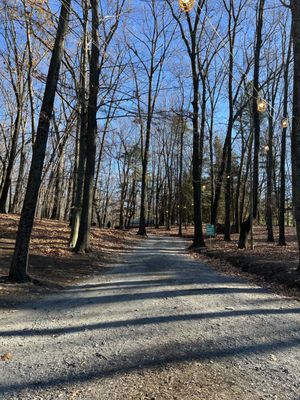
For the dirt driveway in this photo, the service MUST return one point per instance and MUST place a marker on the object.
(158, 326)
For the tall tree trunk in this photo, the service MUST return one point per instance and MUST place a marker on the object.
(11, 159)
(157, 198)
(131, 203)
(243, 196)
(56, 210)
(145, 157)
(269, 170)
(196, 162)
(18, 194)
(295, 137)
(201, 148)
(30, 69)
(246, 225)
(169, 199)
(142, 224)
(219, 181)
(106, 196)
(79, 177)
(228, 182)
(18, 268)
(69, 198)
(211, 163)
(180, 175)
(83, 241)
(124, 189)
(237, 202)
(151, 200)
(282, 240)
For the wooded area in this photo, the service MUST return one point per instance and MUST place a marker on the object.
(122, 114)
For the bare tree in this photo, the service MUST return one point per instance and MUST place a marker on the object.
(234, 10)
(18, 269)
(15, 60)
(282, 240)
(189, 38)
(295, 8)
(246, 225)
(97, 61)
(150, 50)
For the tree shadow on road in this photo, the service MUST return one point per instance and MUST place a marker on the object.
(157, 357)
(164, 319)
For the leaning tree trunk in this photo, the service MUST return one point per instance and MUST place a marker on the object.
(18, 268)
(295, 137)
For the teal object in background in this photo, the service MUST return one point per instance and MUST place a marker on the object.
(210, 230)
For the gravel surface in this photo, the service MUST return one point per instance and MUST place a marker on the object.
(159, 325)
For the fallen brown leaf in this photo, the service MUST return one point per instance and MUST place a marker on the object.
(6, 356)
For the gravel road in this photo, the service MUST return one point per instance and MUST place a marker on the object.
(159, 325)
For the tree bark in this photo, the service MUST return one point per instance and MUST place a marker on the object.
(18, 268)
(198, 233)
(80, 170)
(142, 224)
(232, 19)
(237, 202)
(83, 241)
(295, 136)
(281, 222)
(11, 159)
(269, 170)
(180, 175)
(246, 225)
(18, 190)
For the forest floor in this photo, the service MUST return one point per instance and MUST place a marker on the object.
(268, 264)
(158, 325)
(51, 261)
(56, 266)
